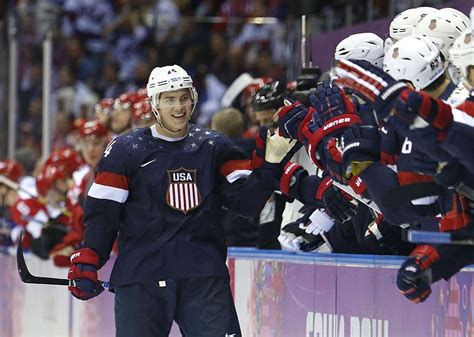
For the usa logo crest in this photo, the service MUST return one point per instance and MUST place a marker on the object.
(183, 194)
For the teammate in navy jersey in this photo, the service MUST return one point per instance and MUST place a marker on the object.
(159, 192)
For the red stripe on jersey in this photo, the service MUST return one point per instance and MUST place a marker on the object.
(388, 159)
(406, 178)
(112, 180)
(234, 165)
(467, 107)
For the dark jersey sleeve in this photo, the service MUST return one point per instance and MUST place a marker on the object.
(379, 180)
(459, 143)
(243, 189)
(105, 198)
(452, 259)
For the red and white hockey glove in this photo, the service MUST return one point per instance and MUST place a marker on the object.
(414, 277)
(83, 271)
(371, 83)
(318, 133)
(421, 115)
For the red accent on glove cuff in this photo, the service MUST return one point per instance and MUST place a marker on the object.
(323, 186)
(357, 184)
(76, 273)
(457, 218)
(304, 124)
(86, 256)
(288, 172)
(443, 117)
(431, 254)
(332, 125)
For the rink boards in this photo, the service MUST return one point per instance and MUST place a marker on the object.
(276, 294)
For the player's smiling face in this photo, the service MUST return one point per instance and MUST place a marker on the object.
(175, 109)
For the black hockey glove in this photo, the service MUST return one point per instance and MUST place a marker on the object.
(339, 205)
(361, 148)
(414, 277)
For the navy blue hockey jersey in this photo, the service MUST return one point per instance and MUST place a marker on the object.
(163, 199)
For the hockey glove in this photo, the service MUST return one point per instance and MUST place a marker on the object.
(416, 110)
(318, 223)
(371, 83)
(361, 148)
(278, 149)
(333, 165)
(339, 205)
(422, 162)
(83, 271)
(258, 155)
(294, 238)
(292, 173)
(293, 120)
(414, 277)
(331, 157)
(319, 133)
(331, 102)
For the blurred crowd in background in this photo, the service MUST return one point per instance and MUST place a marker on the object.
(103, 49)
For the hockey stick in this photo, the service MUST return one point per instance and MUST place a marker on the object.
(367, 202)
(27, 277)
(438, 238)
(235, 89)
(17, 187)
(405, 193)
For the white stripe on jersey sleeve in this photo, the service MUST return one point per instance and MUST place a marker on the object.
(462, 117)
(237, 174)
(99, 191)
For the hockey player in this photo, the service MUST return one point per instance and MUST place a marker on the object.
(404, 23)
(409, 110)
(361, 46)
(11, 170)
(121, 115)
(93, 140)
(103, 109)
(161, 190)
(442, 28)
(142, 115)
(461, 56)
(362, 233)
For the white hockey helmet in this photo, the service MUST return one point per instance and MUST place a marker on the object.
(387, 43)
(443, 27)
(414, 59)
(362, 46)
(405, 22)
(168, 78)
(461, 55)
